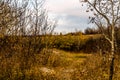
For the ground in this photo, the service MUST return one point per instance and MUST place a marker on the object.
(66, 65)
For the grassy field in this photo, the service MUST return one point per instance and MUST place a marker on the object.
(72, 57)
(58, 65)
(21, 59)
(64, 64)
(81, 66)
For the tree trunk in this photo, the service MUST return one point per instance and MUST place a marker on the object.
(112, 56)
(111, 69)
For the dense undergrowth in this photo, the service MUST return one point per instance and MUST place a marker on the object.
(80, 43)
(58, 65)
(34, 58)
(96, 67)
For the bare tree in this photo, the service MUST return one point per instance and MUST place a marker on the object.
(106, 14)
(39, 22)
(8, 18)
(23, 17)
(12, 16)
(39, 19)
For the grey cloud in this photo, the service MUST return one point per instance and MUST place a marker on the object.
(72, 22)
(77, 19)
(72, 16)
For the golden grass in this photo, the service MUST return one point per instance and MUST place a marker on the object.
(71, 58)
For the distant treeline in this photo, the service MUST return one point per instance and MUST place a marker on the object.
(80, 43)
(101, 30)
(91, 40)
(71, 42)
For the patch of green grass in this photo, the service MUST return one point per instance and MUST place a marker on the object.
(80, 56)
(72, 57)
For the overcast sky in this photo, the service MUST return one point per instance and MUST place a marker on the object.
(70, 14)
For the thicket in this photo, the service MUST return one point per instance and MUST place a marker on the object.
(22, 52)
(80, 43)
(88, 43)
(96, 67)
